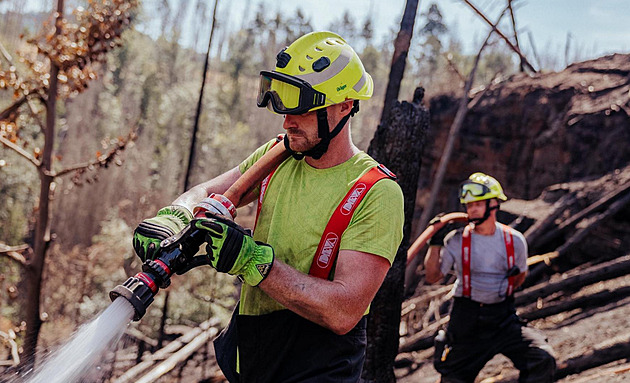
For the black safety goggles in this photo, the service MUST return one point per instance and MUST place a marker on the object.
(286, 94)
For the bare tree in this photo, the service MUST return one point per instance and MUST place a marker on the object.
(399, 59)
(60, 66)
(191, 156)
(399, 143)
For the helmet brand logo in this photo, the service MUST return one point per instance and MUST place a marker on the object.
(348, 205)
(327, 250)
(340, 88)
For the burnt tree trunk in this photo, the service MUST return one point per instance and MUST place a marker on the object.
(398, 144)
(35, 267)
(193, 139)
(399, 59)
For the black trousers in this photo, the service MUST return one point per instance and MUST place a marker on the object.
(477, 332)
(283, 347)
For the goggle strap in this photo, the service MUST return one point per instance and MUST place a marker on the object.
(322, 123)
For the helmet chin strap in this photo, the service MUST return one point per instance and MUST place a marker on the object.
(323, 132)
(486, 215)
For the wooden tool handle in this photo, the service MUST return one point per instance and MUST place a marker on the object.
(422, 240)
(255, 174)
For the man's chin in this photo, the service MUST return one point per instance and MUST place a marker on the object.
(299, 144)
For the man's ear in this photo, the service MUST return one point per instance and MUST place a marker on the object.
(346, 107)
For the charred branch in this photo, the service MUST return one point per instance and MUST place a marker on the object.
(577, 279)
(595, 357)
(594, 207)
(594, 300)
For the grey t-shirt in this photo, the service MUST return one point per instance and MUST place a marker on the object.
(488, 263)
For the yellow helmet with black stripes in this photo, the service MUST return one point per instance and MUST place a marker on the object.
(317, 70)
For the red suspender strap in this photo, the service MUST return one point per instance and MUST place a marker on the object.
(466, 252)
(265, 183)
(509, 247)
(329, 244)
(466, 242)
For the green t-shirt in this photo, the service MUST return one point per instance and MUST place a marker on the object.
(298, 204)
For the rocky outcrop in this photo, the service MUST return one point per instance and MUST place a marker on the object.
(531, 132)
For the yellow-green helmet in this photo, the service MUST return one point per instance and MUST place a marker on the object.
(479, 187)
(321, 61)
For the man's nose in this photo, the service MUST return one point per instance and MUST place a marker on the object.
(289, 122)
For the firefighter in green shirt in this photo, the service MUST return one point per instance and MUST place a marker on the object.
(292, 325)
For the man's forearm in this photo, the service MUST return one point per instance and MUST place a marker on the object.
(324, 302)
(432, 263)
(520, 278)
(337, 305)
(217, 185)
(191, 197)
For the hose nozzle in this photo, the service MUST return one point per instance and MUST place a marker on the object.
(176, 255)
(137, 291)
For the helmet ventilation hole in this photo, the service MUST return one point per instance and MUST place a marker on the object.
(318, 49)
(301, 69)
(308, 57)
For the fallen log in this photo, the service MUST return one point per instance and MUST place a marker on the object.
(594, 300)
(423, 339)
(606, 375)
(138, 336)
(607, 270)
(573, 220)
(594, 358)
(541, 227)
(179, 357)
(411, 304)
(165, 352)
(579, 235)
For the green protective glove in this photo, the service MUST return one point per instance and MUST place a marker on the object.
(232, 250)
(169, 221)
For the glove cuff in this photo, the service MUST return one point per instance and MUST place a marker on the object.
(259, 266)
(178, 211)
